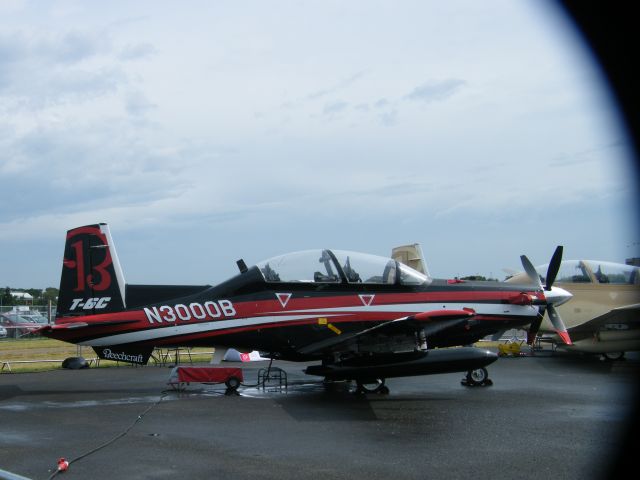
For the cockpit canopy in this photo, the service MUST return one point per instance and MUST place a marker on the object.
(592, 271)
(336, 266)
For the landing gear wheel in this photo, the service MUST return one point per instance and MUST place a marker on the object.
(477, 377)
(376, 386)
(613, 356)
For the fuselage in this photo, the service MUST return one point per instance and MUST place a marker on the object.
(602, 315)
(249, 312)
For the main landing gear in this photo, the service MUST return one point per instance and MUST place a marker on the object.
(376, 386)
(477, 378)
(613, 356)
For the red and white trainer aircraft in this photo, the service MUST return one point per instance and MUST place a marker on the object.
(362, 317)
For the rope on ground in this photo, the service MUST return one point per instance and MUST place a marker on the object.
(63, 464)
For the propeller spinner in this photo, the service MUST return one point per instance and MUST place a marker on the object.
(555, 296)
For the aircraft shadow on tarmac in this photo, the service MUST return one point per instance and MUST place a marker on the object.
(8, 392)
(313, 402)
(343, 407)
(589, 363)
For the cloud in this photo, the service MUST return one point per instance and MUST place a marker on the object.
(137, 104)
(588, 155)
(49, 68)
(52, 48)
(44, 69)
(331, 107)
(389, 118)
(137, 51)
(71, 47)
(334, 108)
(436, 90)
(104, 117)
(80, 167)
(337, 87)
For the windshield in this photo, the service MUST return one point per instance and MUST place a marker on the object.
(608, 272)
(305, 266)
(365, 268)
(571, 271)
(331, 266)
(592, 271)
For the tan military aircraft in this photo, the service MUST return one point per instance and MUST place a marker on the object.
(602, 317)
(412, 256)
(604, 314)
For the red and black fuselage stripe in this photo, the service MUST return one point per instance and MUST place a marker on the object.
(247, 312)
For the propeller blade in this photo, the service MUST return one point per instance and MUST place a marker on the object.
(531, 271)
(554, 266)
(535, 327)
(558, 324)
(533, 330)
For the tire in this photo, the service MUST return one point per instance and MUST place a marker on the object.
(477, 376)
(75, 363)
(232, 383)
(372, 387)
(613, 356)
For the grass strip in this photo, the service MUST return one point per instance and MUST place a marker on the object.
(40, 348)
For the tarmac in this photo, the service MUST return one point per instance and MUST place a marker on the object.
(545, 416)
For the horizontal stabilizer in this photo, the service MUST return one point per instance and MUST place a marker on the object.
(74, 325)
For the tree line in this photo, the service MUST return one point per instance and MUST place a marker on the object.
(40, 297)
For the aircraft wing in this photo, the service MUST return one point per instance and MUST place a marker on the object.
(626, 315)
(432, 322)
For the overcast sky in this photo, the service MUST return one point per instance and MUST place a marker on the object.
(226, 129)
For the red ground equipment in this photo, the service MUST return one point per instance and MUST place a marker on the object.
(232, 377)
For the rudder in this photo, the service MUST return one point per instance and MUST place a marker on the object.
(92, 279)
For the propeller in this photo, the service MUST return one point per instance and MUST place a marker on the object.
(531, 271)
(554, 266)
(555, 296)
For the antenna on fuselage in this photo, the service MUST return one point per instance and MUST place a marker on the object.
(242, 266)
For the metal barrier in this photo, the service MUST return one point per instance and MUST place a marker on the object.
(159, 357)
(44, 310)
(6, 364)
(273, 377)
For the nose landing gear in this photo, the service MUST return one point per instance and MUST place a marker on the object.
(477, 378)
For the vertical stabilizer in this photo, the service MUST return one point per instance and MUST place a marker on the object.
(412, 256)
(92, 279)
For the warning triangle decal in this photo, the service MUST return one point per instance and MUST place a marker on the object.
(283, 298)
(366, 300)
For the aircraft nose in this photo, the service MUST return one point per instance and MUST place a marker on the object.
(557, 296)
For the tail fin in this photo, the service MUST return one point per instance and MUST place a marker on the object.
(92, 280)
(412, 256)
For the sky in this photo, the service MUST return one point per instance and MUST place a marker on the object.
(208, 131)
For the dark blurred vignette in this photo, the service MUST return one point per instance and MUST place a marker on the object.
(610, 31)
